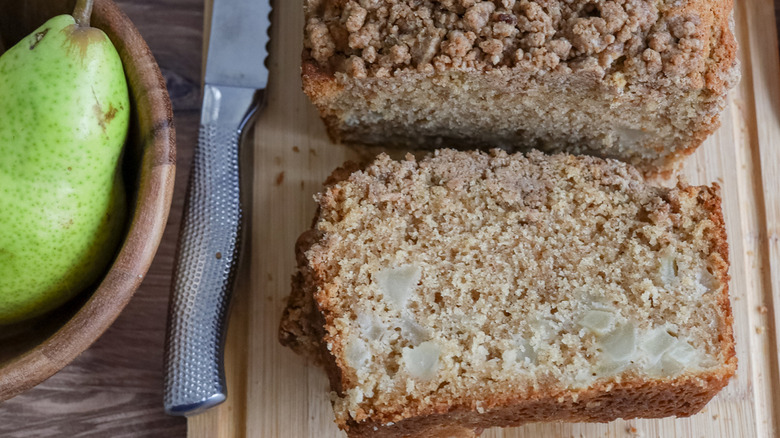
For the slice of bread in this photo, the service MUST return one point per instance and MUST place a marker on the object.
(469, 290)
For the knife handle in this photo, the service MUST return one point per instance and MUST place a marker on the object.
(207, 256)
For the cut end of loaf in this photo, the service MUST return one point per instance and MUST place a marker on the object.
(482, 290)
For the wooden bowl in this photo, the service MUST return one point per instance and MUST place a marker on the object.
(34, 351)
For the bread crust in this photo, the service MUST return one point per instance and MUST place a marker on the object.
(321, 86)
(304, 323)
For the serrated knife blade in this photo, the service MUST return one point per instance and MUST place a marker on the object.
(207, 257)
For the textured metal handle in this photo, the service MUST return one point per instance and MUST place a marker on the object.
(207, 259)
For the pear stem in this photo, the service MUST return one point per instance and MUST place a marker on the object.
(83, 12)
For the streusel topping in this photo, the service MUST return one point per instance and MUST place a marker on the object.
(382, 37)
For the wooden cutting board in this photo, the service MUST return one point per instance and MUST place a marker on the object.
(275, 393)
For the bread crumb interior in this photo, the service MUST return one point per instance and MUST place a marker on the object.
(468, 276)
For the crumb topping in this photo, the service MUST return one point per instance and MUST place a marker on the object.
(380, 38)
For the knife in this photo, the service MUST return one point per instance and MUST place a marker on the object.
(210, 236)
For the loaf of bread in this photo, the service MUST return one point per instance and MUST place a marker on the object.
(470, 290)
(643, 81)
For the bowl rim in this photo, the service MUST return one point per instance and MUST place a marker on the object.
(152, 206)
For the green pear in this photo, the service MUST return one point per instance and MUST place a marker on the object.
(64, 115)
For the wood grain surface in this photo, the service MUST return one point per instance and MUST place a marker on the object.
(114, 388)
(275, 393)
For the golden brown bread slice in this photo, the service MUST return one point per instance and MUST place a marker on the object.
(471, 290)
(639, 80)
